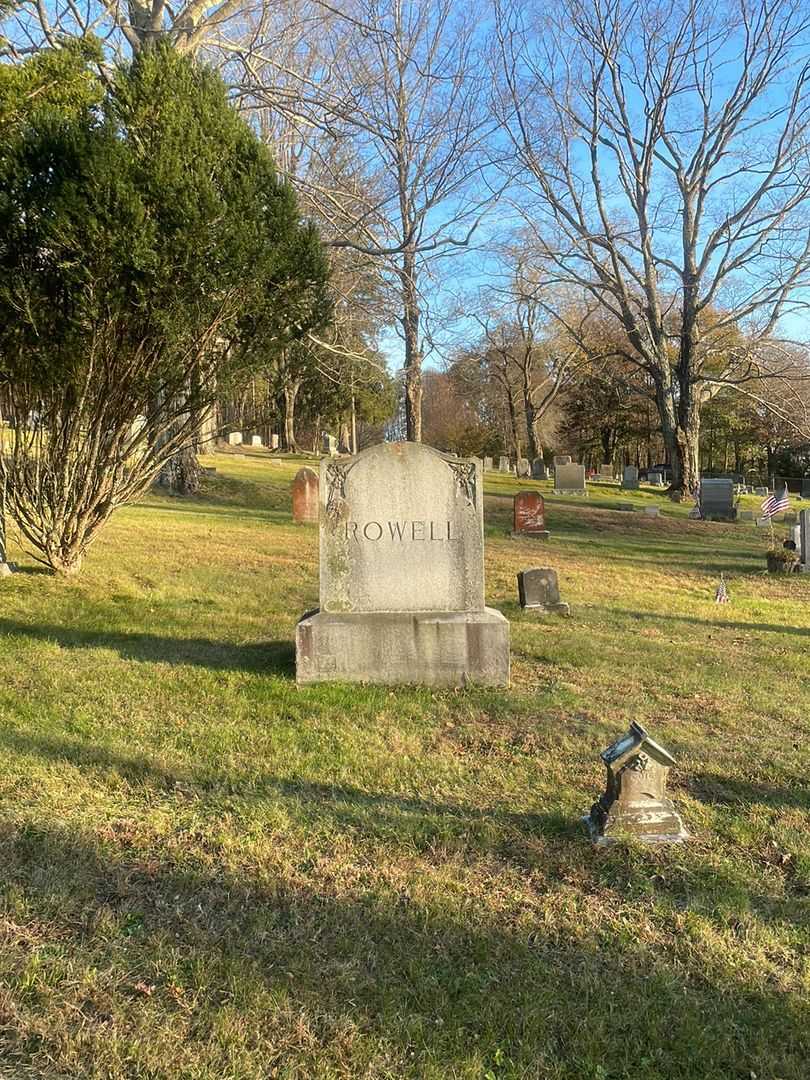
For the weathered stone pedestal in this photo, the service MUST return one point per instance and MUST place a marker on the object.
(402, 574)
(427, 648)
(634, 804)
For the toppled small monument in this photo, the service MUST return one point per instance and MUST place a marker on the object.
(635, 804)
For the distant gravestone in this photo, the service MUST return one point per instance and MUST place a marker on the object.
(746, 515)
(562, 459)
(655, 478)
(569, 480)
(539, 590)
(529, 516)
(305, 496)
(274, 441)
(763, 522)
(762, 491)
(235, 438)
(717, 500)
(804, 541)
(256, 440)
(630, 478)
(635, 802)
(402, 574)
(487, 464)
(503, 464)
(523, 468)
(606, 472)
(539, 470)
(329, 444)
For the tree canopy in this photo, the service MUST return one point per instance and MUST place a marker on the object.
(149, 253)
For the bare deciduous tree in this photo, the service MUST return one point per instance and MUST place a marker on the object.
(664, 153)
(401, 89)
(125, 26)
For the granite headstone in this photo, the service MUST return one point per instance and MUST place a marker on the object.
(569, 480)
(402, 574)
(630, 478)
(538, 589)
(529, 515)
(717, 500)
(305, 496)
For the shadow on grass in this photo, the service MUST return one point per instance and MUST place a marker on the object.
(261, 658)
(340, 804)
(354, 978)
(709, 624)
(717, 789)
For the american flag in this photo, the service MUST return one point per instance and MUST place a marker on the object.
(772, 505)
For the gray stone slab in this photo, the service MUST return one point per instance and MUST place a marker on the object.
(539, 469)
(717, 500)
(523, 468)
(256, 440)
(562, 459)
(538, 589)
(605, 472)
(569, 480)
(503, 464)
(422, 648)
(235, 438)
(402, 530)
(746, 515)
(488, 464)
(804, 540)
(630, 478)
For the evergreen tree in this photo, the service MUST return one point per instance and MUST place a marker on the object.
(149, 253)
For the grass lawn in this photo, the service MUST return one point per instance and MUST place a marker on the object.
(206, 872)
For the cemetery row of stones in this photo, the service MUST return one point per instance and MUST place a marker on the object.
(402, 602)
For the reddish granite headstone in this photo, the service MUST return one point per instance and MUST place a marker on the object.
(529, 515)
(305, 496)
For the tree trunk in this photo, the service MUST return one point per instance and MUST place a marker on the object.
(5, 570)
(513, 423)
(290, 395)
(181, 474)
(413, 350)
(534, 445)
(606, 438)
(680, 428)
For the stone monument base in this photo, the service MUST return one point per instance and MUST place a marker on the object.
(652, 824)
(427, 648)
(549, 609)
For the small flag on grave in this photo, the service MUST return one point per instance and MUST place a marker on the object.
(771, 505)
(721, 594)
